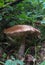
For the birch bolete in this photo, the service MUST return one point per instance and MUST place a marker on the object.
(21, 30)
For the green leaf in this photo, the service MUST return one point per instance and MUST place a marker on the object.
(19, 62)
(12, 23)
(1, 62)
(10, 0)
(4, 55)
(44, 5)
(43, 22)
(0, 17)
(43, 63)
(14, 62)
(23, 16)
(1, 4)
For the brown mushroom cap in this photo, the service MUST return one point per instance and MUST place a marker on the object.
(20, 29)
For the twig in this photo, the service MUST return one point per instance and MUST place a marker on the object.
(11, 39)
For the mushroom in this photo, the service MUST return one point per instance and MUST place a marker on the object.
(21, 30)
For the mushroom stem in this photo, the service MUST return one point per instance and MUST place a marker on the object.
(22, 47)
